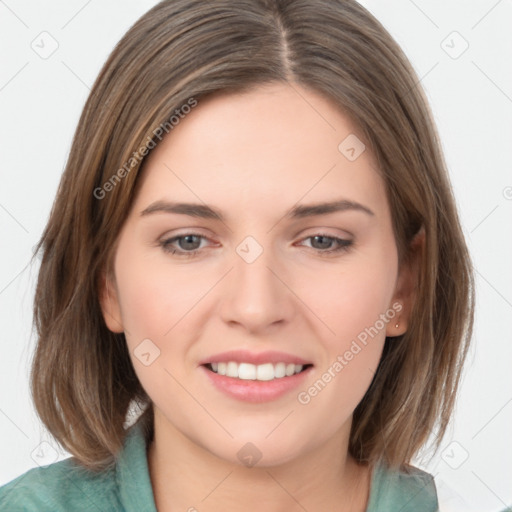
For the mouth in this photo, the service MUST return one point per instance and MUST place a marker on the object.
(256, 372)
(255, 383)
(255, 377)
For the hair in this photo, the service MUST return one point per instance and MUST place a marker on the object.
(83, 383)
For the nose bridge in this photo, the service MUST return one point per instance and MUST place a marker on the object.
(256, 296)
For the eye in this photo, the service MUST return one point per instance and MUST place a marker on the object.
(325, 241)
(188, 243)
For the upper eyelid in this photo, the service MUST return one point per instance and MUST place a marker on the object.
(316, 231)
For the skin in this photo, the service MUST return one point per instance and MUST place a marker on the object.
(255, 156)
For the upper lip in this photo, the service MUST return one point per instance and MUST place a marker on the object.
(244, 356)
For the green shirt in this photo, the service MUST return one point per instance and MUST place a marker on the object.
(65, 486)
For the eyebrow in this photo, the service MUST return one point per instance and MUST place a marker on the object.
(298, 212)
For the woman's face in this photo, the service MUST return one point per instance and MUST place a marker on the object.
(259, 273)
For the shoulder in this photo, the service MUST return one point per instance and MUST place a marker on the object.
(68, 486)
(409, 489)
(61, 486)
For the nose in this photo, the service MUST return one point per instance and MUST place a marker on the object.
(256, 294)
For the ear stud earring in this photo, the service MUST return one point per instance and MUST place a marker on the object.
(396, 325)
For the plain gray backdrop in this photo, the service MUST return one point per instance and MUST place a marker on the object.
(52, 52)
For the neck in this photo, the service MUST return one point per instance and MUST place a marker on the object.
(185, 476)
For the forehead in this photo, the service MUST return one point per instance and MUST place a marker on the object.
(273, 145)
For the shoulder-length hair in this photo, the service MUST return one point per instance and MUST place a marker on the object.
(82, 381)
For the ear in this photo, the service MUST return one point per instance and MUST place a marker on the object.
(407, 286)
(109, 302)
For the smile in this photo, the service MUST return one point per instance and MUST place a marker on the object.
(262, 372)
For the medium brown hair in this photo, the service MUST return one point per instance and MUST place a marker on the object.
(82, 379)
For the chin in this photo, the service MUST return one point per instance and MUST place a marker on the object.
(256, 451)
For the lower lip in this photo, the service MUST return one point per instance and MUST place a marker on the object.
(255, 391)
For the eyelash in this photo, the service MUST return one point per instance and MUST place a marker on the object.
(344, 245)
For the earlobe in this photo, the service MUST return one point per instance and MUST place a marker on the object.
(397, 326)
(407, 286)
(109, 303)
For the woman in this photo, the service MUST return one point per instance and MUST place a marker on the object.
(302, 350)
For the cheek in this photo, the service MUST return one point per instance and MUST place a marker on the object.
(153, 296)
(157, 304)
(357, 312)
(153, 308)
(351, 298)
(357, 306)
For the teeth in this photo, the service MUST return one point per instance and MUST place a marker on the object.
(247, 371)
(232, 369)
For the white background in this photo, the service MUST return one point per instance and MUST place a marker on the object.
(471, 96)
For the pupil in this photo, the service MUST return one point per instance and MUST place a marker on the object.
(186, 240)
(326, 243)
